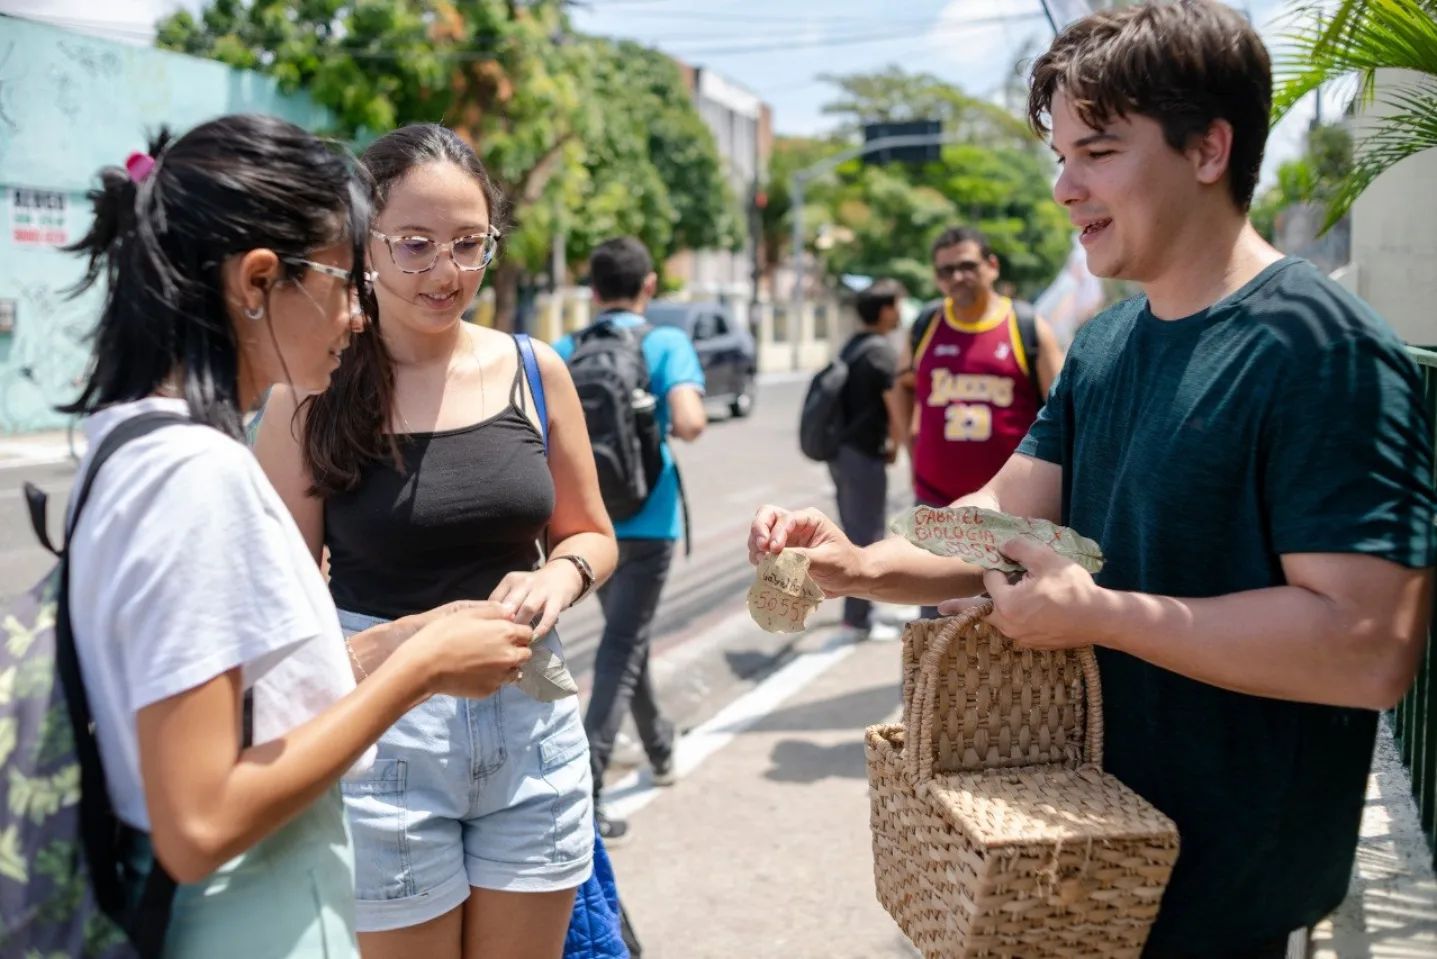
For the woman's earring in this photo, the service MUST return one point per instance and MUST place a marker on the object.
(255, 313)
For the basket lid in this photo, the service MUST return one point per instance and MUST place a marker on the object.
(1038, 804)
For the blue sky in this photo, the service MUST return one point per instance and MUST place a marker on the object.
(780, 48)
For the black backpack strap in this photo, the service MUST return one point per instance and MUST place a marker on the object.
(36, 500)
(100, 828)
(920, 328)
(683, 507)
(1028, 337)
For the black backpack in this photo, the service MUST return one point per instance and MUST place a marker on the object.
(66, 888)
(1027, 334)
(63, 890)
(612, 379)
(822, 427)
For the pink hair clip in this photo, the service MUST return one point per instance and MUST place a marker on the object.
(139, 165)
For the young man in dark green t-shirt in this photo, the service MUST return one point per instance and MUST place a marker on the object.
(1246, 442)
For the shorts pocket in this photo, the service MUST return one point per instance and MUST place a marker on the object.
(562, 746)
(377, 808)
(564, 765)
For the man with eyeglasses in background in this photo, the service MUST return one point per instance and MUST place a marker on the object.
(973, 375)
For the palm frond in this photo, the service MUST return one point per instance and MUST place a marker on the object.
(1410, 128)
(1362, 37)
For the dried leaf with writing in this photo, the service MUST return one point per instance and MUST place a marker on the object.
(978, 535)
(783, 596)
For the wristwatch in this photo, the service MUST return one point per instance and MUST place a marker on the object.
(586, 574)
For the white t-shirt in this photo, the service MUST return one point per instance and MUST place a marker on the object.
(185, 565)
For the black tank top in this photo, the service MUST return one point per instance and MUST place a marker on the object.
(467, 510)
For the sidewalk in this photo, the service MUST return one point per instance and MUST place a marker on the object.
(762, 849)
(36, 449)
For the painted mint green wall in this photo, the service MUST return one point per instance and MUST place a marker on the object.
(70, 104)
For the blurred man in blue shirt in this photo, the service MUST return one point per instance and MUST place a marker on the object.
(623, 280)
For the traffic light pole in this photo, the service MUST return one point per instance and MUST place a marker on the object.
(795, 191)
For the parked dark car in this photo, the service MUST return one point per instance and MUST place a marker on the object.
(725, 347)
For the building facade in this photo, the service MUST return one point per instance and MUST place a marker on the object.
(742, 125)
(1393, 238)
(69, 104)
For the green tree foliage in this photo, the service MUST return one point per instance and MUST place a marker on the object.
(581, 135)
(895, 95)
(1357, 39)
(881, 220)
(1315, 177)
(651, 167)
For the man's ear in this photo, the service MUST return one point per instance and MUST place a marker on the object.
(1211, 152)
(651, 285)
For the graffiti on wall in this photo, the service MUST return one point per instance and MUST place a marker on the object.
(47, 359)
(70, 104)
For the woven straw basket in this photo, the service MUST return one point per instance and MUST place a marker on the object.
(995, 831)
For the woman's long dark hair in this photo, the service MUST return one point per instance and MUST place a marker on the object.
(228, 186)
(348, 425)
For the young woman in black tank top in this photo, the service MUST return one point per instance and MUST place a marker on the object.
(424, 473)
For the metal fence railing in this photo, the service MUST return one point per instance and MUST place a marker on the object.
(1415, 718)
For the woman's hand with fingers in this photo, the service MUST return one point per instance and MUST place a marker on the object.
(537, 598)
(370, 648)
(468, 652)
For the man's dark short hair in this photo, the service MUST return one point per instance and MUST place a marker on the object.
(618, 268)
(1183, 64)
(960, 234)
(878, 295)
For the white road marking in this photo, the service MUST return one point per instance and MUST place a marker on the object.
(636, 790)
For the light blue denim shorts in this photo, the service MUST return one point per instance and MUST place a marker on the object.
(492, 793)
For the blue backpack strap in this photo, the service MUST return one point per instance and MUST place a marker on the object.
(536, 383)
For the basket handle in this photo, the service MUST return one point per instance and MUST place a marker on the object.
(921, 751)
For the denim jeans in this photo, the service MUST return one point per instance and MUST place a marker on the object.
(621, 669)
(861, 485)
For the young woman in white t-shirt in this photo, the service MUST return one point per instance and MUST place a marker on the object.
(233, 257)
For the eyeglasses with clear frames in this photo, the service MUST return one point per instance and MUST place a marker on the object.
(419, 254)
(339, 273)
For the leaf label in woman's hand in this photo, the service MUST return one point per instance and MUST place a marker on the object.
(545, 676)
